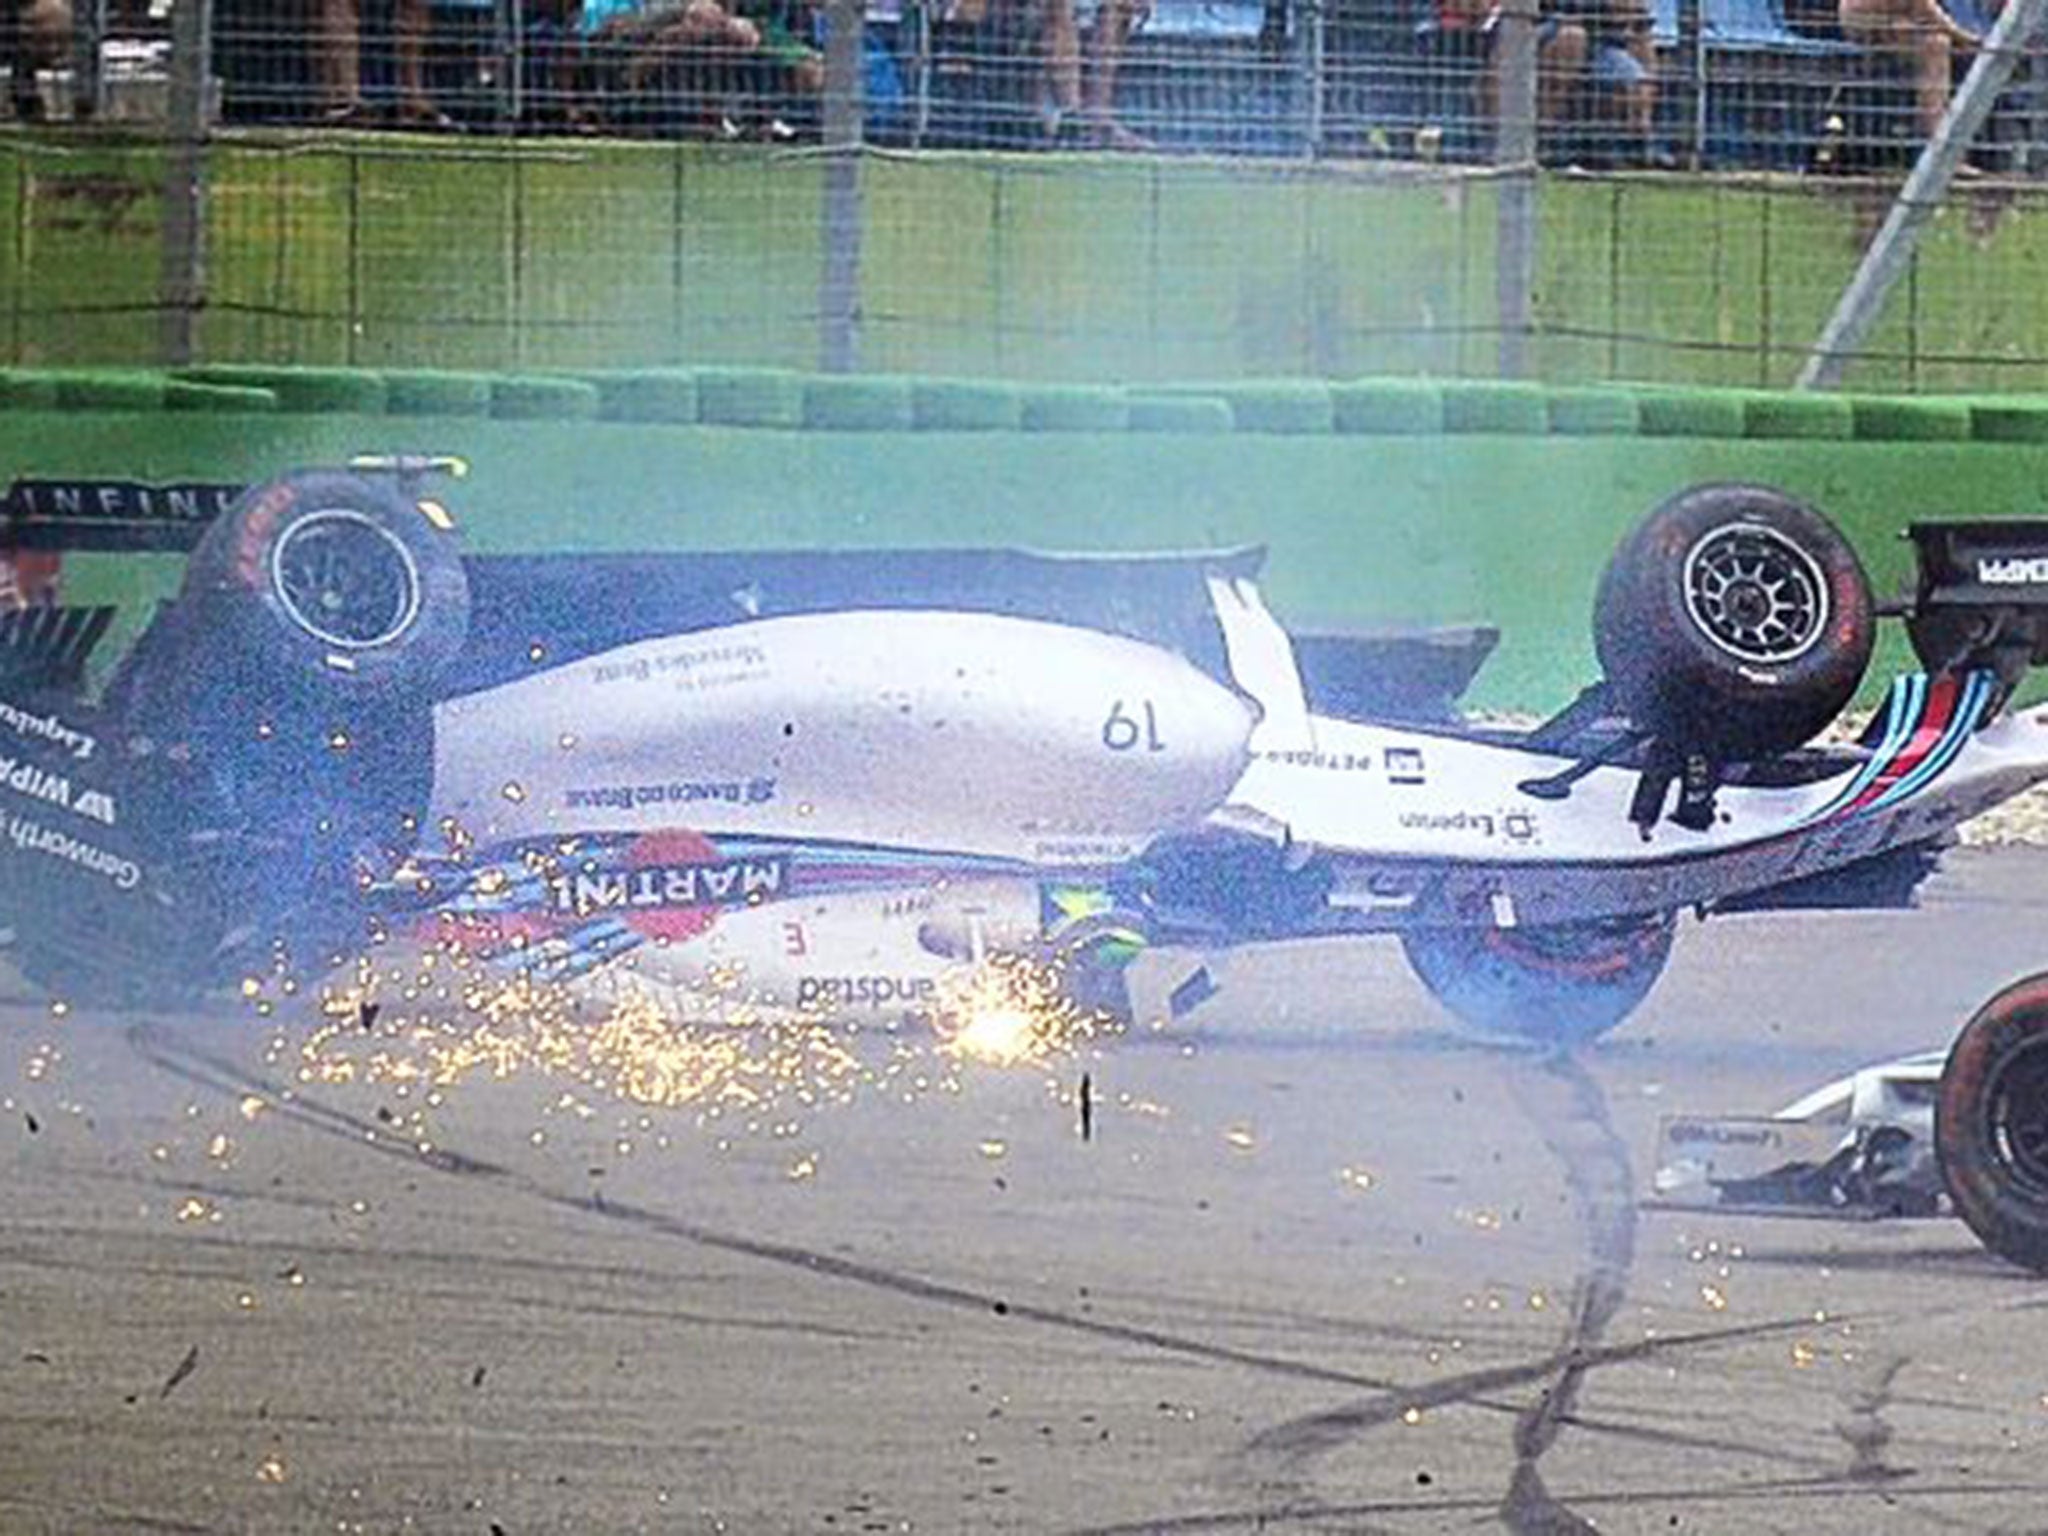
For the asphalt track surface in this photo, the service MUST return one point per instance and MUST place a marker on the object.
(1318, 1266)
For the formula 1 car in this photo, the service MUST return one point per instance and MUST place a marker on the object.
(836, 773)
(1962, 1132)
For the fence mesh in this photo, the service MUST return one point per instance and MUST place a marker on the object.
(1053, 188)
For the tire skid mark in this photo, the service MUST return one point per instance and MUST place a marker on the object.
(1470, 1389)
(1298, 1440)
(1571, 1113)
(1303, 1516)
(1861, 1423)
(1301, 1439)
(1691, 1440)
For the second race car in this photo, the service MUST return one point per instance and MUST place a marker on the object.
(1962, 1132)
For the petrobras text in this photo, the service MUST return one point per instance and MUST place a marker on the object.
(863, 991)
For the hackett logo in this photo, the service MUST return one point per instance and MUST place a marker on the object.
(2015, 571)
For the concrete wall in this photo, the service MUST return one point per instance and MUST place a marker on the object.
(1392, 503)
(382, 251)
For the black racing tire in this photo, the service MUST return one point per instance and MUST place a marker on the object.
(1561, 985)
(1991, 1124)
(1734, 621)
(331, 581)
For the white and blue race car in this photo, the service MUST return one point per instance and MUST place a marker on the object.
(840, 772)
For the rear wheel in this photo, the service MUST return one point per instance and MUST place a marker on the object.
(1562, 985)
(281, 709)
(335, 581)
(1991, 1124)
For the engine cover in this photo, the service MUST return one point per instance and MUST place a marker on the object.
(969, 733)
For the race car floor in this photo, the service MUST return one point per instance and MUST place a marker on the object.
(1316, 1265)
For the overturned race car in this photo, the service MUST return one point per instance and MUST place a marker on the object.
(836, 773)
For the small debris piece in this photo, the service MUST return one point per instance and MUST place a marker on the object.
(185, 1368)
(1087, 1097)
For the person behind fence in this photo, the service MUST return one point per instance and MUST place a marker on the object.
(1562, 47)
(1595, 59)
(34, 34)
(703, 66)
(1622, 67)
(1919, 35)
(1081, 82)
(341, 68)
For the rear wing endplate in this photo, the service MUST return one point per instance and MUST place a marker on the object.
(1980, 594)
(1991, 563)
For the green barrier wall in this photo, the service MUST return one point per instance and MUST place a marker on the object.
(1373, 512)
(385, 252)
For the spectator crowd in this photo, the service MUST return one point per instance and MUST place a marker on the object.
(1407, 78)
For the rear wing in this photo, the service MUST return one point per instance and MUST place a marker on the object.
(48, 647)
(1980, 595)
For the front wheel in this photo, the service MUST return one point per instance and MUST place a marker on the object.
(1734, 621)
(1560, 985)
(1991, 1124)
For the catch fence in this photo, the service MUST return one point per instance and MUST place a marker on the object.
(1188, 189)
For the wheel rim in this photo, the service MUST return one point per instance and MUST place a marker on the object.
(2018, 1109)
(345, 580)
(1756, 594)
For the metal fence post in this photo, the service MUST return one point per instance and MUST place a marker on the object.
(839, 283)
(918, 14)
(1315, 70)
(88, 32)
(1692, 53)
(1515, 158)
(182, 288)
